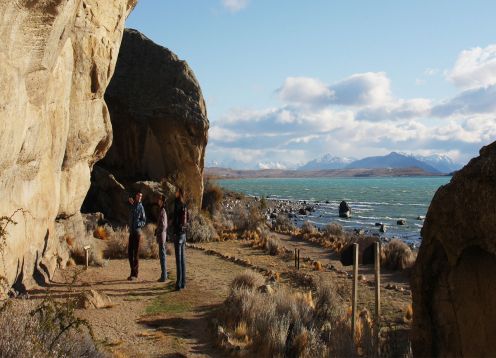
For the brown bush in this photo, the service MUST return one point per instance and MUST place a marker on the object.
(334, 229)
(284, 224)
(212, 197)
(308, 228)
(287, 324)
(397, 255)
(247, 280)
(248, 219)
(273, 246)
(200, 228)
(38, 331)
(117, 243)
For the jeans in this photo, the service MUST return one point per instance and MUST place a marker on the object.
(163, 259)
(133, 252)
(179, 245)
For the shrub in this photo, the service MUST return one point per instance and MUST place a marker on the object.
(284, 224)
(273, 246)
(247, 280)
(200, 228)
(247, 219)
(287, 324)
(212, 197)
(47, 330)
(397, 255)
(117, 243)
(334, 229)
(308, 228)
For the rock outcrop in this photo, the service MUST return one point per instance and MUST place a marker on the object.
(453, 285)
(56, 59)
(158, 116)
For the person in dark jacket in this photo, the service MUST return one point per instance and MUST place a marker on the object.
(179, 220)
(137, 219)
(161, 236)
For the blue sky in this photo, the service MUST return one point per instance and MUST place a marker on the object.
(287, 81)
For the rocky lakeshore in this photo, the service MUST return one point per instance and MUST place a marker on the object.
(321, 214)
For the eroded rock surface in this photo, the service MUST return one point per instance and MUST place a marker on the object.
(56, 59)
(159, 118)
(453, 285)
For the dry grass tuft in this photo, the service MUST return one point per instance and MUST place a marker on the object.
(317, 266)
(40, 331)
(289, 324)
(408, 314)
(334, 229)
(308, 228)
(284, 224)
(101, 233)
(273, 246)
(248, 280)
(397, 255)
(212, 197)
(200, 228)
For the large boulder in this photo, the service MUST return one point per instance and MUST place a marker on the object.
(159, 118)
(56, 59)
(453, 284)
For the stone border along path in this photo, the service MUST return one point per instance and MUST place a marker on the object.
(150, 319)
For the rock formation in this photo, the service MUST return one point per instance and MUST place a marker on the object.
(453, 284)
(158, 116)
(56, 59)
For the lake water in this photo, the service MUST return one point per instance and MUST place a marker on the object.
(372, 200)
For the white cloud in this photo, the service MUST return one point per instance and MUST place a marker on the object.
(362, 89)
(359, 116)
(431, 71)
(359, 89)
(235, 5)
(304, 90)
(475, 68)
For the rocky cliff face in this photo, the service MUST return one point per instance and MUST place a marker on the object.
(453, 284)
(158, 116)
(56, 59)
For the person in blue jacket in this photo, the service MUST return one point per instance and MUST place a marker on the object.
(137, 219)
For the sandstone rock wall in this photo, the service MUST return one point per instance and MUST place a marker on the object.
(158, 116)
(454, 286)
(56, 59)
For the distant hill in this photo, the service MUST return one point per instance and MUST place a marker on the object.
(224, 173)
(441, 162)
(327, 161)
(392, 160)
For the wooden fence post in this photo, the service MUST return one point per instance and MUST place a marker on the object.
(355, 290)
(377, 263)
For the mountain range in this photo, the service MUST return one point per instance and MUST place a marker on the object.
(432, 164)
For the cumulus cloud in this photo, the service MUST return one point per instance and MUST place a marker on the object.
(475, 68)
(359, 116)
(235, 5)
(472, 101)
(359, 89)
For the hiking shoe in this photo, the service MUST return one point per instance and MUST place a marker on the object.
(161, 279)
(134, 278)
(130, 278)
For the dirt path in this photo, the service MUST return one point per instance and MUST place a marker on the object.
(150, 319)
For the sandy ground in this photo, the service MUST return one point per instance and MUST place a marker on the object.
(150, 319)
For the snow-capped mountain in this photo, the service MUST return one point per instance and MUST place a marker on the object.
(328, 161)
(441, 162)
(392, 160)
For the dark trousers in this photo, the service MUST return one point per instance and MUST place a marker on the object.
(179, 244)
(133, 251)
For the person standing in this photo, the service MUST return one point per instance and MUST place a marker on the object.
(161, 236)
(137, 219)
(180, 220)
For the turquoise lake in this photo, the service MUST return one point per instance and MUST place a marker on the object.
(372, 200)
